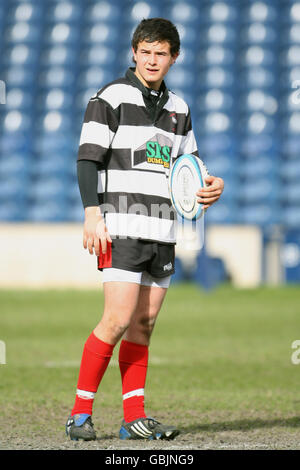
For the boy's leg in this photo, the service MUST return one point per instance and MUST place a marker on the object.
(133, 352)
(133, 361)
(121, 299)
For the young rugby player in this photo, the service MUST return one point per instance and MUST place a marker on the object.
(133, 129)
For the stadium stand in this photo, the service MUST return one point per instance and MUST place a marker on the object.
(239, 70)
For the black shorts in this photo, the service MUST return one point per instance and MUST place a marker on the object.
(135, 255)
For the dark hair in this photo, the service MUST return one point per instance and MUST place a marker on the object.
(157, 29)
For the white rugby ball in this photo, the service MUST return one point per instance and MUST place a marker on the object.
(186, 177)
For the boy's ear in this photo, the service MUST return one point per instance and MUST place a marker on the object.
(134, 53)
(174, 57)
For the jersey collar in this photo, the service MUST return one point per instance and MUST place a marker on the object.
(147, 92)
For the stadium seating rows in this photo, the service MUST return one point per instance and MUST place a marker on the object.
(239, 70)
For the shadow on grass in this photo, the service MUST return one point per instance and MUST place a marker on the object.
(243, 425)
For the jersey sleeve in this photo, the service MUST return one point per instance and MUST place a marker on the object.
(98, 130)
(188, 143)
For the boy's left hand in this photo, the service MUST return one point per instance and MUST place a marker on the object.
(210, 194)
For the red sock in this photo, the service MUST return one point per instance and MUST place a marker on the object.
(95, 359)
(133, 362)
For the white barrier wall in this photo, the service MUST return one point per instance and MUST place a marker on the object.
(53, 256)
(38, 256)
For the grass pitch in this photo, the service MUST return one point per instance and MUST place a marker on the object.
(220, 368)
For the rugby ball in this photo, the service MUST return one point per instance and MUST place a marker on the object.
(187, 176)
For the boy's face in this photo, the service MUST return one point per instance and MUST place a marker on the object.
(153, 60)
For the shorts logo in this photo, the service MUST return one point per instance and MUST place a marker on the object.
(156, 150)
(168, 267)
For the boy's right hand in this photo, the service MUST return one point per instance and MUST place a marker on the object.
(95, 231)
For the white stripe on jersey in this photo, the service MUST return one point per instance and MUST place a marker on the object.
(142, 226)
(95, 133)
(176, 104)
(122, 93)
(138, 136)
(141, 182)
(188, 143)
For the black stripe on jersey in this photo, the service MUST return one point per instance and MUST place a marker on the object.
(93, 152)
(141, 204)
(134, 115)
(100, 111)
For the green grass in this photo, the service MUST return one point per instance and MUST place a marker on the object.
(216, 358)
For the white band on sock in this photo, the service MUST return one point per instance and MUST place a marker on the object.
(134, 393)
(85, 395)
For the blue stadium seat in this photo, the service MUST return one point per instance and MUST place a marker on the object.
(55, 166)
(216, 55)
(290, 195)
(258, 33)
(218, 33)
(180, 77)
(19, 99)
(64, 11)
(47, 188)
(290, 34)
(290, 146)
(253, 145)
(54, 123)
(289, 56)
(97, 55)
(29, 11)
(48, 211)
(185, 12)
(62, 33)
(100, 33)
(290, 171)
(56, 76)
(22, 33)
(94, 77)
(259, 166)
(107, 11)
(216, 77)
(16, 165)
(290, 11)
(21, 55)
(15, 121)
(45, 143)
(75, 213)
(257, 56)
(59, 55)
(256, 77)
(13, 188)
(256, 123)
(290, 217)
(222, 213)
(135, 12)
(258, 100)
(258, 189)
(259, 214)
(19, 76)
(215, 100)
(219, 12)
(13, 211)
(290, 100)
(54, 99)
(290, 123)
(214, 123)
(260, 12)
(189, 35)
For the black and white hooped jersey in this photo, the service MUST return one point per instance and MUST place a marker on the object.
(134, 152)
